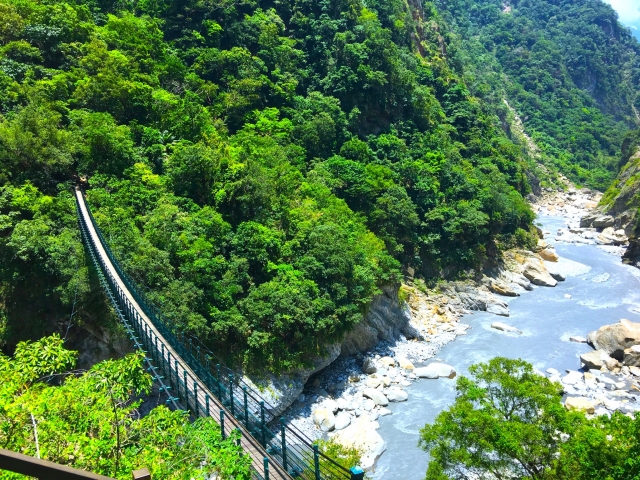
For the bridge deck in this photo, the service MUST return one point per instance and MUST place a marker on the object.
(248, 442)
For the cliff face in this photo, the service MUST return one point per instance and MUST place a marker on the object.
(622, 201)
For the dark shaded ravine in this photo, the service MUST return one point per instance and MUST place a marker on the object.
(602, 291)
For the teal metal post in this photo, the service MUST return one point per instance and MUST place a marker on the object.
(218, 381)
(283, 432)
(206, 401)
(233, 410)
(246, 407)
(357, 473)
(186, 388)
(264, 441)
(222, 424)
(266, 468)
(195, 396)
(239, 439)
(316, 461)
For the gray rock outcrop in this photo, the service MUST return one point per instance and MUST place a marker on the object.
(386, 320)
(280, 391)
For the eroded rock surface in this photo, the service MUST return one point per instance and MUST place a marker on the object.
(615, 339)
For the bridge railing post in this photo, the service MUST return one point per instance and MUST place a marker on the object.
(283, 433)
(231, 394)
(195, 397)
(262, 425)
(246, 407)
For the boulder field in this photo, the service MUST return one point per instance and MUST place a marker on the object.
(612, 378)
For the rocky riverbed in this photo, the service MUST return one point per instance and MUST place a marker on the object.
(349, 399)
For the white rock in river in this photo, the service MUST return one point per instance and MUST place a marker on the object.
(435, 370)
(578, 339)
(387, 361)
(343, 419)
(572, 378)
(504, 327)
(397, 395)
(324, 419)
(498, 309)
(405, 363)
(362, 436)
(383, 412)
(368, 404)
(372, 382)
(377, 396)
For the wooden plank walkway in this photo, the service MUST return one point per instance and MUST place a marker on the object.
(250, 445)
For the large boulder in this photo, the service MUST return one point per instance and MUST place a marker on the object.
(603, 221)
(362, 436)
(587, 220)
(615, 339)
(549, 255)
(324, 419)
(609, 236)
(435, 370)
(579, 403)
(377, 396)
(594, 360)
(397, 395)
(536, 273)
(632, 356)
(502, 289)
(343, 419)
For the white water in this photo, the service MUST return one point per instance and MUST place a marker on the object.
(602, 291)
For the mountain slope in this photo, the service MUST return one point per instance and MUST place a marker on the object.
(262, 168)
(569, 69)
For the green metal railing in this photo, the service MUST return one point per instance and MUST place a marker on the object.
(287, 446)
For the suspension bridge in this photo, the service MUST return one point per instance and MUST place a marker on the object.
(194, 379)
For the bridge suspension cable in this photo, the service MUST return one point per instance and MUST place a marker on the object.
(191, 374)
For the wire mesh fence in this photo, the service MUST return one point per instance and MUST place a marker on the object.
(287, 446)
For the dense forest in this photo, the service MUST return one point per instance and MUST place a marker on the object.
(262, 168)
(568, 68)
